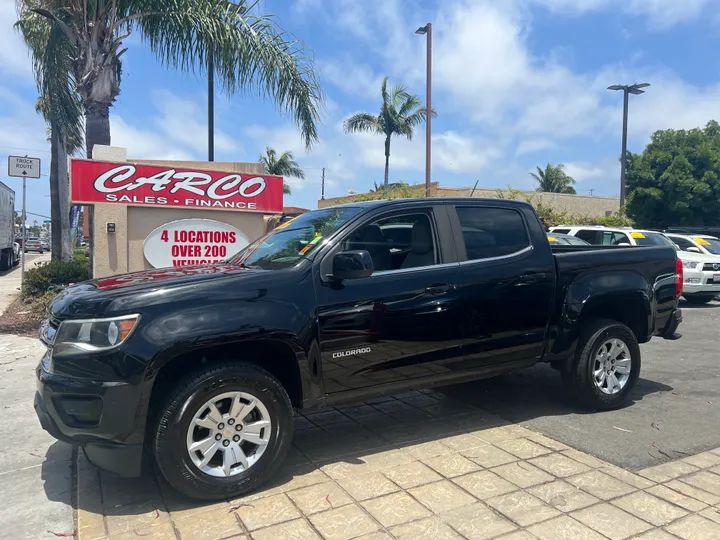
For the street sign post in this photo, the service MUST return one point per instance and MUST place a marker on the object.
(23, 167)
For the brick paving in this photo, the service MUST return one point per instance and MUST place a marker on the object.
(420, 466)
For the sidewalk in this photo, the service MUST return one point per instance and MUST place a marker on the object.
(35, 469)
(421, 466)
(10, 280)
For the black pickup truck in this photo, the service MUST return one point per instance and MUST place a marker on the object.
(203, 366)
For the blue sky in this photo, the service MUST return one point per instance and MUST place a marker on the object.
(517, 83)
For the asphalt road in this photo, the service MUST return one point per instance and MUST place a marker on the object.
(675, 409)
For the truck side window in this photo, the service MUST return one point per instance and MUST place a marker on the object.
(492, 232)
(397, 242)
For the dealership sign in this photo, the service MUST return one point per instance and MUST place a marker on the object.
(188, 242)
(145, 185)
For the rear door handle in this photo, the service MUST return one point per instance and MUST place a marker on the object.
(439, 289)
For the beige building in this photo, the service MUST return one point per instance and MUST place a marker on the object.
(583, 205)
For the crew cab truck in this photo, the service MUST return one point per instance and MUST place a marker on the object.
(203, 366)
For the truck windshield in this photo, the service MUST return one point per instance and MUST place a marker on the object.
(293, 240)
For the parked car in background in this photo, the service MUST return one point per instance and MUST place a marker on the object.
(203, 366)
(45, 244)
(565, 239)
(606, 236)
(34, 244)
(700, 255)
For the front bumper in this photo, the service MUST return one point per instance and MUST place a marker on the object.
(700, 282)
(98, 416)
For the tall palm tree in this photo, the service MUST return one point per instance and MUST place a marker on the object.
(284, 165)
(553, 179)
(249, 51)
(400, 114)
(60, 106)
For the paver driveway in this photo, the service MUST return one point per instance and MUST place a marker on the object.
(421, 466)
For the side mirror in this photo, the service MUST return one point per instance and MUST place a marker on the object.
(352, 265)
(694, 249)
(625, 244)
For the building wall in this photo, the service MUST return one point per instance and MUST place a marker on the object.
(122, 251)
(584, 205)
(142, 220)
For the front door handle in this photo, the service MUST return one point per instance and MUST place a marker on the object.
(529, 279)
(439, 289)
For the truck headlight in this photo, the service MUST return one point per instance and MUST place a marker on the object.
(690, 264)
(95, 334)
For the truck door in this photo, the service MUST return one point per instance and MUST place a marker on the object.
(508, 277)
(398, 323)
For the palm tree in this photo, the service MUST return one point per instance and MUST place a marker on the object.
(554, 179)
(285, 165)
(249, 52)
(60, 106)
(400, 114)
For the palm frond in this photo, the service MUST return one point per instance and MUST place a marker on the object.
(362, 122)
(250, 52)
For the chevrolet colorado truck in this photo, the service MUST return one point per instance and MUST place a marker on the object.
(203, 366)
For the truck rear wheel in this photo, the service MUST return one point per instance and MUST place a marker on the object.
(223, 431)
(606, 366)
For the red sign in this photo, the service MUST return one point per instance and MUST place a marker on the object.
(149, 185)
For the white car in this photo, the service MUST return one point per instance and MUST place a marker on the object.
(700, 255)
(607, 236)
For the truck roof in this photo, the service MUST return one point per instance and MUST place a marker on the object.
(424, 200)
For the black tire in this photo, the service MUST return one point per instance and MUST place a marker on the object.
(169, 440)
(5, 262)
(579, 380)
(698, 299)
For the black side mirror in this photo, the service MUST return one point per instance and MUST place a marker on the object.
(352, 265)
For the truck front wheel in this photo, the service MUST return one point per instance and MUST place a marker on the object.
(223, 431)
(606, 366)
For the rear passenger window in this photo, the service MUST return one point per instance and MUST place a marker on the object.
(492, 232)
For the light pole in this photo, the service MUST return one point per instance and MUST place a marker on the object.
(427, 31)
(211, 95)
(627, 90)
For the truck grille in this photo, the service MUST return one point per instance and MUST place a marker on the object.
(710, 267)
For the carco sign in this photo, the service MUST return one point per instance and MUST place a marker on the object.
(144, 185)
(189, 242)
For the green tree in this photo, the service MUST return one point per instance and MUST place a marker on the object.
(400, 114)
(60, 106)
(553, 179)
(675, 181)
(282, 165)
(249, 51)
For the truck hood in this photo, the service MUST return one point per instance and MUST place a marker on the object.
(106, 297)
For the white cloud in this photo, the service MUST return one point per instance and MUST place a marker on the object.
(661, 14)
(144, 144)
(531, 146)
(183, 121)
(15, 62)
(351, 78)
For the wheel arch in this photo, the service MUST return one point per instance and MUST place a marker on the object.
(278, 357)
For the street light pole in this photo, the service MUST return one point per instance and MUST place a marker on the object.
(427, 30)
(211, 106)
(241, 10)
(627, 90)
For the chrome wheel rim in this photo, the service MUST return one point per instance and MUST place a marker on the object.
(611, 369)
(229, 434)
